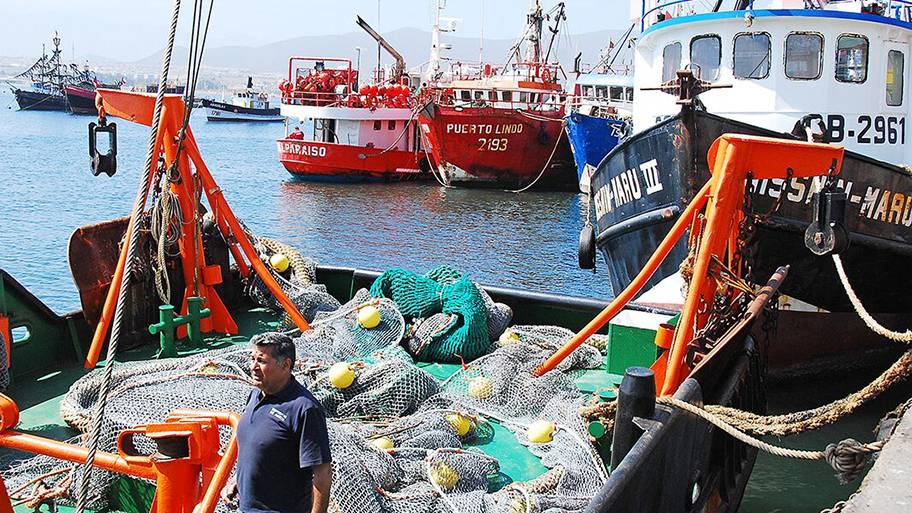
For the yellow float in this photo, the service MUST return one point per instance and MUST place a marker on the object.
(444, 476)
(279, 262)
(383, 443)
(341, 375)
(508, 337)
(480, 387)
(541, 431)
(460, 423)
(369, 317)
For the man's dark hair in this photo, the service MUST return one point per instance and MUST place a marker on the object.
(281, 346)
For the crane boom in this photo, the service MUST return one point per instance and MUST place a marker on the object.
(399, 67)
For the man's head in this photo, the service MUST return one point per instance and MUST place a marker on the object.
(271, 360)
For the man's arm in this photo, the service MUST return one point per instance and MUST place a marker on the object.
(322, 479)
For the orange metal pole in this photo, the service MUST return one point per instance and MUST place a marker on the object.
(211, 495)
(619, 302)
(217, 201)
(74, 453)
(6, 505)
(177, 486)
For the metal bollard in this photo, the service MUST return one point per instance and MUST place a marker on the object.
(636, 398)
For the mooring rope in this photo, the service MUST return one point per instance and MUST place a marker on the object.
(138, 203)
(541, 173)
(848, 457)
(870, 322)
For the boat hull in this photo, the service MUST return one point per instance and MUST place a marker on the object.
(591, 138)
(81, 101)
(219, 111)
(488, 147)
(34, 100)
(641, 187)
(329, 162)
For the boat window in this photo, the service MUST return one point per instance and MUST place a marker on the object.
(533, 98)
(895, 70)
(803, 56)
(479, 95)
(629, 94)
(377, 125)
(586, 91)
(391, 125)
(465, 95)
(617, 93)
(706, 56)
(601, 91)
(752, 55)
(506, 96)
(851, 58)
(523, 97)
(671, 61)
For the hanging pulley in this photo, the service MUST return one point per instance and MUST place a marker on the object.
(104, 160)
(827, 233)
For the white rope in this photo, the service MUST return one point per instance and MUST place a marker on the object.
(870, 322)
(548, 163)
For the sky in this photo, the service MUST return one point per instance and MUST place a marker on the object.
(128, 30)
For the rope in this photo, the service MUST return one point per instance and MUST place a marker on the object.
(105, 385)
(163, 232)
(548, 163)
(404, 130)
(432, 162)
(870, 322)
(848, 457)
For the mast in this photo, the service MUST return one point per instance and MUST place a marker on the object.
(433, 69)
(534, 21)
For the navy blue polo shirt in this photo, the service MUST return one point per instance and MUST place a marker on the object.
(280, 438)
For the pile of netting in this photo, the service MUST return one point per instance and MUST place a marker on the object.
(401, 440)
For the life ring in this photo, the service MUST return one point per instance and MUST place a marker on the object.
(546, 75)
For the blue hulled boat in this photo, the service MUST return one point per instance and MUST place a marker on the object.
(600, 116)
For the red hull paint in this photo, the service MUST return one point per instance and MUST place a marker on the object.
(500, 147)
(325, 161)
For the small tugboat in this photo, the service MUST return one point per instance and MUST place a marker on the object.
(248, 105)
(356, 134)
(601, 108)
(48, 77)
(503, 127)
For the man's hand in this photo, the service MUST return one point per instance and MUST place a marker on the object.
(322, 481)
(229, 491)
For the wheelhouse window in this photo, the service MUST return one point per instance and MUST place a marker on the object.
(586, 91)
(506, 96)
(601, 91)
(752, 55)
(391, 124)
(895, 62)
(803, 56)
(465, 95)
(377, 125)
(628, 92)
(671, 61)
(852, 58)
(706, 56)
(616, 92)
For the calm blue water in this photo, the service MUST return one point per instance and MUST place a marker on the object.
(526, 241)
(47, 190)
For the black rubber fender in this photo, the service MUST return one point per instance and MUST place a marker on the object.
(587, 247)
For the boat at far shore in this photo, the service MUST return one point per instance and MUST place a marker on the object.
(249, 105)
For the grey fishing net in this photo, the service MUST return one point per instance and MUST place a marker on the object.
(402, 440)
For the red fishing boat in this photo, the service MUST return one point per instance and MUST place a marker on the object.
(503, 128)
(363, 135)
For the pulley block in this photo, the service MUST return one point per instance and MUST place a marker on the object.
(104, 159)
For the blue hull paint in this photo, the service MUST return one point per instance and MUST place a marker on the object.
(591, 139)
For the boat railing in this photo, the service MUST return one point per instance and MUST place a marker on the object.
(315, 99)
(543, 102)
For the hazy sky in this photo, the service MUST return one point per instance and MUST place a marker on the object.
(132, 29)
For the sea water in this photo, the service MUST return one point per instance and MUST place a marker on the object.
(526, 241)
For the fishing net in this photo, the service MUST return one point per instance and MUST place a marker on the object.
(437, 428)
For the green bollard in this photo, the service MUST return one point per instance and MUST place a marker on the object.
(168, 323)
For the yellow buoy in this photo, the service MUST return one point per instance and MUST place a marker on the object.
(279, 262)
(383, 443)
(480, 387)
(541, 431)
(460, 423)
(341, 375)
(369, 317)
(444, 476)
(508, 337)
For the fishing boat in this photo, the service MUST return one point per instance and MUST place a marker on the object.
(502, 126)
(48, 77)
(356, 134)
(601, 108)
(249, 105)
(81, 97)
(835, 74)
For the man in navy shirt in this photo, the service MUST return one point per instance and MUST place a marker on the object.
(283, 461)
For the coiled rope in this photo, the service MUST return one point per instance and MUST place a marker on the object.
(138, 203)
